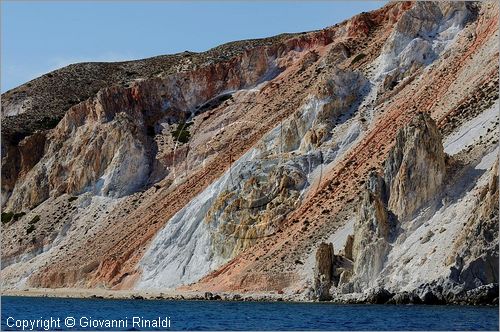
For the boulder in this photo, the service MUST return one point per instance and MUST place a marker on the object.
(430, 293)
(405, 298)
(379, 296)
(486, 294)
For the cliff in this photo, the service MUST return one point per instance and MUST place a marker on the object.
(354, 163)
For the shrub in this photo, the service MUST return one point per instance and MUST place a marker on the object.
(35, 219)
(11, 216)
(18, 216)
(30, 229)
(357, 58)
(182, 134)
(7, 216)
(72, 198)
(49, 122)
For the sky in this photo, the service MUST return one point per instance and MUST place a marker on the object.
(38, 37)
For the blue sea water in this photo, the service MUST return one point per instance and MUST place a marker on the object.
(215, 315)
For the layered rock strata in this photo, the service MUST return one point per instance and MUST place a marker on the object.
(227, 170)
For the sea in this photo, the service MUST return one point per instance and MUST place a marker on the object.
(40, 313)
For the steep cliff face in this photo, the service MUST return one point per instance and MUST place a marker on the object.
(384, 238)
(413, 174)
(476, 250)
(324, 165)
(419, 37)
(154, 103)
(330, 212)
(374, 231)
(415, 168)
(129, 144)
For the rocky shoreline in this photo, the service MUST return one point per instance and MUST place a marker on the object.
(428, 294)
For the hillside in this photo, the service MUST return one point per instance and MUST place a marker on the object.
(354, 163)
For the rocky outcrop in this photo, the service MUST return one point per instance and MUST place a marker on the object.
(323, 279)
(163, 100)
(413, 174)
(258, 201)
(419, 37)
(240, 169)
(111, 144)
(405, 298)
(374, 230)
(330, 270)
(348, 247)
(474, 274)
(435, 87)
(446, 291)
(415, 168)
(476, 254)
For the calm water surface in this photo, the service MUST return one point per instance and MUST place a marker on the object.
(213, 315)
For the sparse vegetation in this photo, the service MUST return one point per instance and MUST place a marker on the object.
(182, 134)
(31, 225)
(35, 219)
(11, 216)
(30, 229)
(18, 216)
(7, 216)
(49, 122)
(358, 58)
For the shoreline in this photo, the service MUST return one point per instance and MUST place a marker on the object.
(173, 295)
(84, 293)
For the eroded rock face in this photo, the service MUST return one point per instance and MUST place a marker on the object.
(436, 85)
(124, 141)
(254, 208)
(259, 193)
(419, 37)
(181, 91)
(415, 168)
(224, 170)
(324, 271)
(374, 229)
(95, 148)
(413, 174)
(330, 270)
(387, 207)
(476, 260)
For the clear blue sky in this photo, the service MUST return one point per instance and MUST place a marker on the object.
(38, 37)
